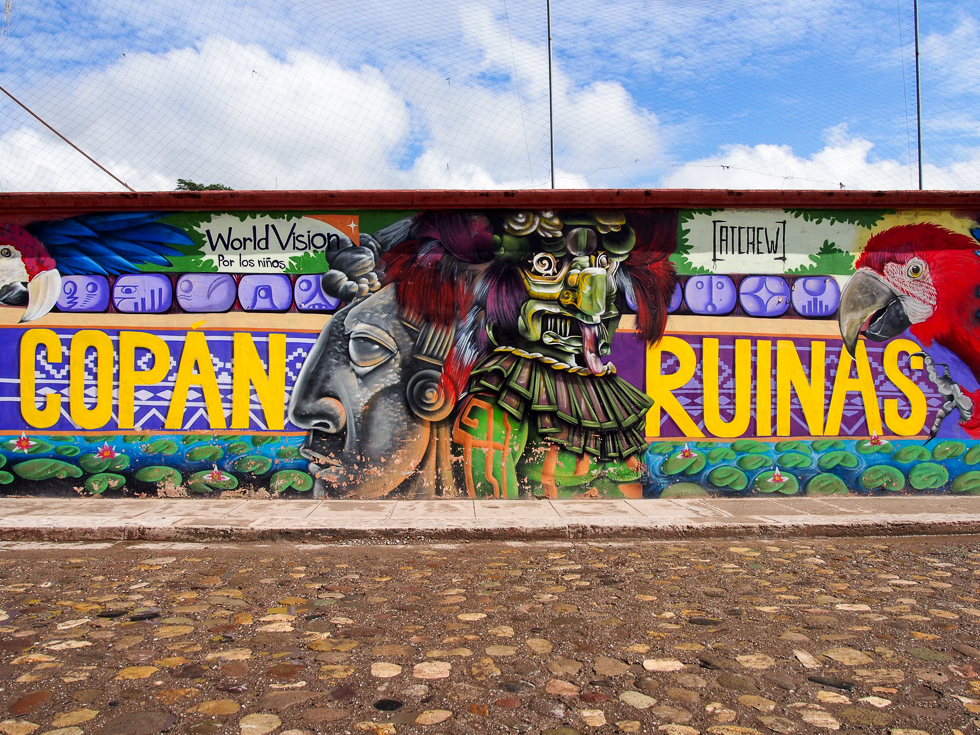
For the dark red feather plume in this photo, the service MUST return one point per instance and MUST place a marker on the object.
(505, 295)
(420, 287)
(649, 266)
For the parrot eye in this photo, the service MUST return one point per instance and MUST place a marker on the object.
(6, 252)
(915, 270)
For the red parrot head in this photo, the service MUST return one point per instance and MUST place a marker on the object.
(28, 276)
(920, 276)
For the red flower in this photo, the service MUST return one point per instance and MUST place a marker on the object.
(216, 475)
(106, 452)
(23, 444)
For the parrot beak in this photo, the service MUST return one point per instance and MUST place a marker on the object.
(867, 295)
(43, 293)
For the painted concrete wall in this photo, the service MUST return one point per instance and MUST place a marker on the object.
(493, 346)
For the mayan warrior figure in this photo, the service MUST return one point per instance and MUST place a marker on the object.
(477, 368)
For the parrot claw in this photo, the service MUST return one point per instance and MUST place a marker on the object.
(951, 392)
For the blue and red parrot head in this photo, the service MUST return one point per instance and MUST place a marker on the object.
(28, 276)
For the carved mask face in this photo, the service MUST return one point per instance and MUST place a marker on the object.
(569, 270)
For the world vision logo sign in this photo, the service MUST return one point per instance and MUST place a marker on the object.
(234, 243)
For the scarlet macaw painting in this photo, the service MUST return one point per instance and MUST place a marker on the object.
(926, 279)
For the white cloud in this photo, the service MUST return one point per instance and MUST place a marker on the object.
(227, 112)
(950, 110)
(497, 133)
(606, 136)
(236, 114)
(963, 173)
(843, 160)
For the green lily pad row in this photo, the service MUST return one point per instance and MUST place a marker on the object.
(748, 465)
(822, 485)
(46, 469)
(257, 440)
(950, 449)
(160, 475)
(923, 476)
(209, 481)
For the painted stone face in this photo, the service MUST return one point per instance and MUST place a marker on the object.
(146, 293)
(84, 293)
(710, 295)
(350, 394)
(309, 296)
(205, 292)
(265, 292)
(569, 271)
(765, 296)
(816, 296)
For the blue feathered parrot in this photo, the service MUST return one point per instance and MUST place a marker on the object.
(33, 259)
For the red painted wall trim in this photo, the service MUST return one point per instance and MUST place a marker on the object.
(33, 205)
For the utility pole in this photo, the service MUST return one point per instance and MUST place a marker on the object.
(551, 103)
(918, 89)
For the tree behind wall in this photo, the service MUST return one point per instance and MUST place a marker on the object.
(188, 185)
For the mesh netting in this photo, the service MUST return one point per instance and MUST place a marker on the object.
(436, 94)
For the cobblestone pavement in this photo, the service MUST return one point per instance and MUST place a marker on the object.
(720, 637)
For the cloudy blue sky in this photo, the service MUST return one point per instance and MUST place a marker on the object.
(433, 94)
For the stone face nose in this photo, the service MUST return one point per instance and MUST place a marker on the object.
(590, 297)
(323, 414)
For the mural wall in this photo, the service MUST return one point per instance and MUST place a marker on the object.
(491, 353)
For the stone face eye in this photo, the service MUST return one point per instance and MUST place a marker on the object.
(367, 352)
(544, 264)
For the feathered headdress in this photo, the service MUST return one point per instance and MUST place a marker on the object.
(455, 274)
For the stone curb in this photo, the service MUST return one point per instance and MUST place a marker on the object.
(423, 534)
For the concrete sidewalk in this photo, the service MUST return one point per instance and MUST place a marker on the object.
(401, 520)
